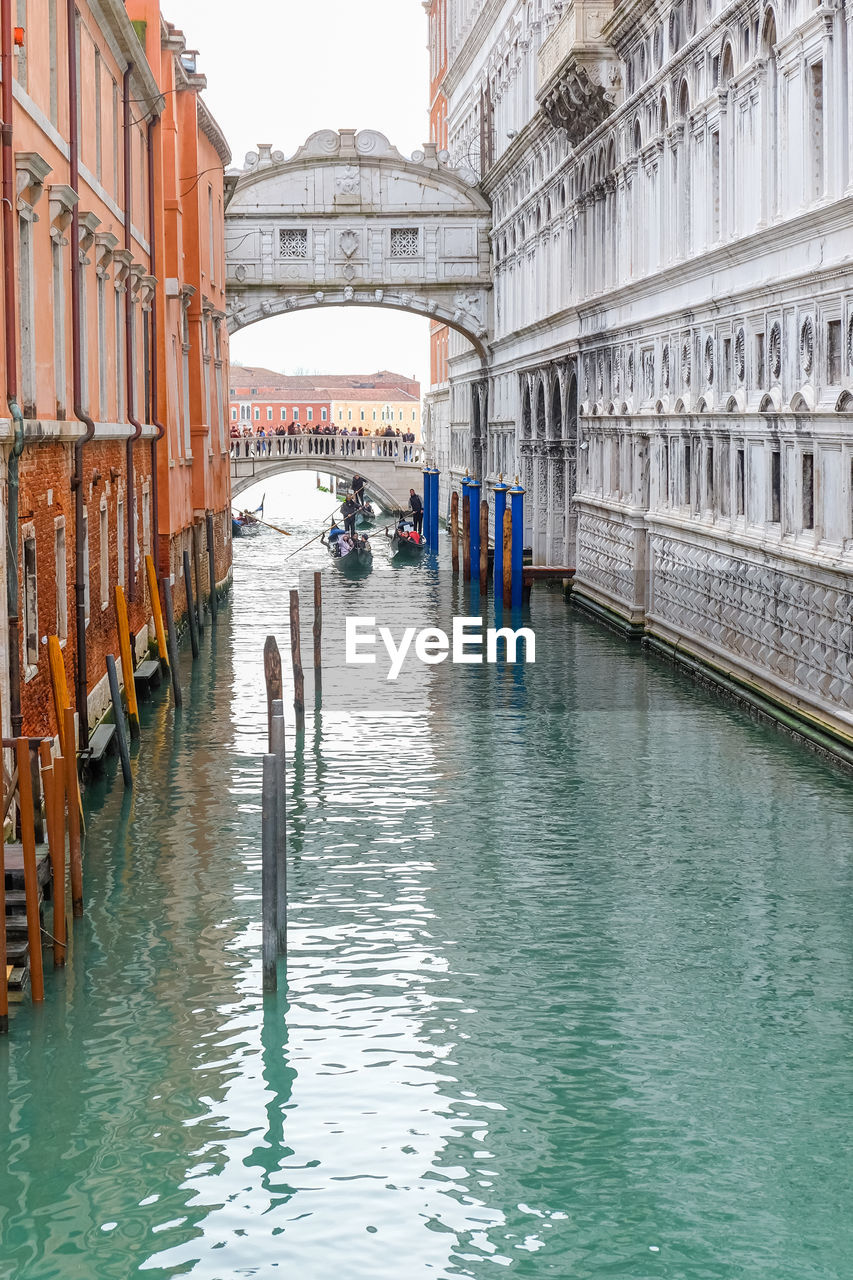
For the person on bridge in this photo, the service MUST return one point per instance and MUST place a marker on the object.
(348, 511)
(416, 507)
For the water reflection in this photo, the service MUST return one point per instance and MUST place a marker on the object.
(569, 989)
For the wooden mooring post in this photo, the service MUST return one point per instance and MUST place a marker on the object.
(54, 803)
(199, 595)
(272, 677)
(507, 565)
(454, 532)
(191, 615)
(296, 657)
(31, 884)
(4, 980)
(269, 895)
(211, 565)
(484, 546)
(172, 641)
(154, 593)
(75, 849)
(126, 653)
(277, 748)
(318, 637)
(118, 713)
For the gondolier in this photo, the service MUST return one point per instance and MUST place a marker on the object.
(348, 511)
(358, 490)
(416, 507)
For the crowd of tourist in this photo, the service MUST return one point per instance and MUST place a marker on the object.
(260, 441)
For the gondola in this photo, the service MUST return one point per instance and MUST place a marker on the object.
(247, 520)
(358, 559)
(365, 516)
(406, 542)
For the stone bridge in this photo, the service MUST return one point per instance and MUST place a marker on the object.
(349, 221)
(390, 468)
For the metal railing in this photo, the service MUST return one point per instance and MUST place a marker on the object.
(348, 448)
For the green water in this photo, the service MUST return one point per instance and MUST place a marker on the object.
(569, 991)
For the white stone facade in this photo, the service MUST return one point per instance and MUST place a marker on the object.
(671, 368)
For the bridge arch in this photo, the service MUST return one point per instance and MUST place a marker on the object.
(385, 481)
(349, 221)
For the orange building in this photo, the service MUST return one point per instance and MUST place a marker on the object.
(115, 352)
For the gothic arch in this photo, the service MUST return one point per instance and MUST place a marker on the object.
(540, 426)
(555, 425)
(526, 419)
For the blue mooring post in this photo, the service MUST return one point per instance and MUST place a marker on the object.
(433, 515)
(474, 525)
(516, 501)
(427, 507)
(500, 508)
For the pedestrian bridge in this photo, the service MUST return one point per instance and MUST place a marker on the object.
(390, 467)
(349, 221)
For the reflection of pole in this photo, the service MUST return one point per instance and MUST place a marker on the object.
(277, 748)
(172, 640)
(433, 514)
(427, 504)
(269, 938)
(474, 528)
(500, 508)
(516, 499)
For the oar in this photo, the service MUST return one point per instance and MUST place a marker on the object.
(286, 532)
(316, 535)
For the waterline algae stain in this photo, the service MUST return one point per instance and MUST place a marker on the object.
(569, 987)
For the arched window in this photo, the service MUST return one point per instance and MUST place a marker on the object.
(638, 136)
(683, 100)
(727, 66)
(556, 412)
(663, 115)
(540, 412)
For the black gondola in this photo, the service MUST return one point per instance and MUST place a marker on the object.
(357, 559)
(406, 541)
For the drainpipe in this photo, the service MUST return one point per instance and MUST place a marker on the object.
(81, 677)
(153, 370)
(12, 540)
(130, 353)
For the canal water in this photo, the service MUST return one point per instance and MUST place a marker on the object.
(568, 993)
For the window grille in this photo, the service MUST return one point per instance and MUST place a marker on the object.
(292, 244)
(405, 242)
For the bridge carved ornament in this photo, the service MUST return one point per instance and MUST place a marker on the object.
(349, 221)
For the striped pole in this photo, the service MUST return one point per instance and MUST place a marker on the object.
(516, 501)
(433, 515)
(500, 508)
(466, 530)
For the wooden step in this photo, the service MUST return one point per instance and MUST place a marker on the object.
(147, 676)
(14, 863)
(101, 743)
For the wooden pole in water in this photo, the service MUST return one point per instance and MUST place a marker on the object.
(4, 981)
(484, 545)
(199, 594)
(272, 676)
(51, 769)
(118, 712)
(211, 565)
(277, 748)
(191, 617)
(454, 532)
(126, 661)
(466, 534)
(162, 648)
(31, 884)
(318, 636)
(172, 641)
(296, 656)
(507, 566)
(269, 934)
(75, 852)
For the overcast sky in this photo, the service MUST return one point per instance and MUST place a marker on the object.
(278, 70)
